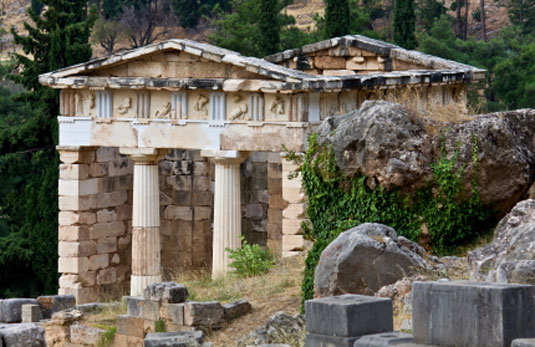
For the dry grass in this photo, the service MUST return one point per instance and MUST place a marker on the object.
(277, 290)
(106, 318)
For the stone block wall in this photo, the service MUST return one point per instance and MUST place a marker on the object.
(95, 201)
(294, 212)
(186, 200)
(95, 195)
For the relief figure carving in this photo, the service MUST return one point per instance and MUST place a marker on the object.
(125, 105)
(164, 112)
(277, 106)
(241, 111)
(201, 103)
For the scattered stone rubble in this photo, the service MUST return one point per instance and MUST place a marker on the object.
(281, 330)
(166, 303)
(456, 313)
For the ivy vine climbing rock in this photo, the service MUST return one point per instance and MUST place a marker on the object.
(385, 141)
(366, 258)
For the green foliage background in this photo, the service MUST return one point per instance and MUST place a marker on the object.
(28, 158)
(337, 203)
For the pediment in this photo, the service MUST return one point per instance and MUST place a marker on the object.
(177, 59)
(175, 64)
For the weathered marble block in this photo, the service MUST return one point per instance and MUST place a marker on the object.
(348, 315)
(169, 292)
(54, 303)
(393, 338)
(31, 313)
(236, 309)
(11, 309)
(463, 313)
(25, 334)
(188, 338)
(206, 314)
(523, 343)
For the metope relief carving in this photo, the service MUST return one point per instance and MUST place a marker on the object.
(164, 111)
(241, 109)
(84, 103)
(277, 106)
(125, 105)
(201, 104)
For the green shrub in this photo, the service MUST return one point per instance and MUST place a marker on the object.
(250, 260)
(337, 203)
(159, 326)
(107, 338)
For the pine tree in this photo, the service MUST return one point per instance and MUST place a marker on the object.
(404, 23)
(187, 12)
(28, 159)
(337, 18)
(269, 28)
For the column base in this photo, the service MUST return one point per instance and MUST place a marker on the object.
(139, 283)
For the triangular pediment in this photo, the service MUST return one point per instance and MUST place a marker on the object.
(174, 64)
(179, 59)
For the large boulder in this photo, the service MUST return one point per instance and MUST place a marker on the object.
(384, 141)
(380, 140)
(366, 258)
(510, 257)
(22, 335)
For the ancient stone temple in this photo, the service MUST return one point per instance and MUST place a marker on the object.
(170, 152)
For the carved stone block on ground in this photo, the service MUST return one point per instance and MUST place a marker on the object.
(315, 340)
(54, 303)
(173, 312)
(170, 292)
(463, 313)
(130, 326)
(206, 314)
(393, 338)
(348, 315)
(236, 309)
(177, 339)
(23, 335)
(31, 313)
(11, 309)
(523, 343)
(85, 335)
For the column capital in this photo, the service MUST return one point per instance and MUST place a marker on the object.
(225, 157)
(144, 155)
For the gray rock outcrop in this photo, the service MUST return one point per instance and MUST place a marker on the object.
(510, 257)
(384, 141)
(364, 259)
(22, 335)
(280, 329)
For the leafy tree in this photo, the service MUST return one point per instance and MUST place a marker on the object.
(37, 6)
(240, 30)
(428, 11)
(404, 23)
(337, 18)
(139, 18)
(514, 83)
(522, 12)
(106, 33)
(28, 160)
(111, 9)
(187, 12)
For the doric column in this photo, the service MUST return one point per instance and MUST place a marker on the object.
(146, 258)
(227, 207)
